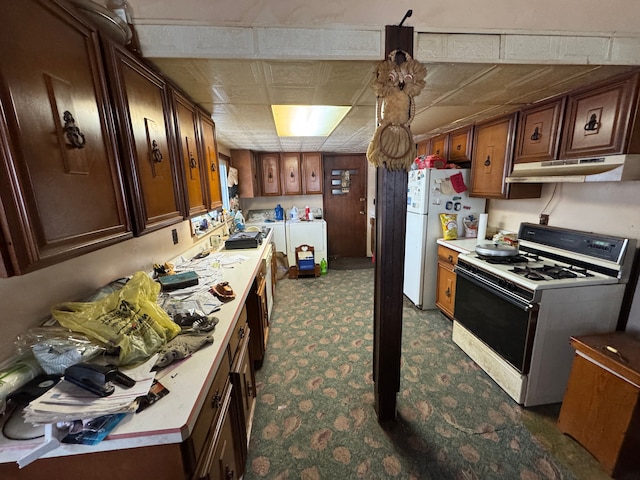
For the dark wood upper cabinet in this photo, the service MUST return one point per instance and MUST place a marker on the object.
(61, 187)
(269, 165)
(602, 120)
(539, 131)
(209, 155)
(460, 143)
(312, 173)
(187, 140)
(291, 179)
(246, 163)
(492, 161)
(438, 145)
(143, 108)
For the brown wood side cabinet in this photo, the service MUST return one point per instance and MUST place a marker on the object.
(312, 173)
(209, 147)
(446, 280)
(601, 406)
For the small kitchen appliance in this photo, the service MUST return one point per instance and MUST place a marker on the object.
(516, 309)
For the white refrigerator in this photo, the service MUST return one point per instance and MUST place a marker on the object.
(431, 192)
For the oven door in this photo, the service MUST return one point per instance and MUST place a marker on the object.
(503, 321)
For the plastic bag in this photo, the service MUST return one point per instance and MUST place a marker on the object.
(129, 318)
(449, 225)
(57, 348)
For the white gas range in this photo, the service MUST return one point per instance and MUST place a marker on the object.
(514, 314)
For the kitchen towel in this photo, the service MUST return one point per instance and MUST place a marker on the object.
(482, 228)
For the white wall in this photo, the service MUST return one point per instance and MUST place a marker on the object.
(608, 208)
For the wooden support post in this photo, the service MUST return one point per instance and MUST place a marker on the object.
(391, 216)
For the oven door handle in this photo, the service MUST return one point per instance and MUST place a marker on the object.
(497, 290)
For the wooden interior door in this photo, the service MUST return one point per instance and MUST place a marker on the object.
(345, 205)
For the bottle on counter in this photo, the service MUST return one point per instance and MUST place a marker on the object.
(294, 213)
(307, 212)
(239, 220)
(279, 212)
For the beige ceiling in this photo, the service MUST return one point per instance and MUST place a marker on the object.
(237, 57)
(239, 94)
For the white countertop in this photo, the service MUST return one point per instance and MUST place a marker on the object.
(462, 245)
(172, 418)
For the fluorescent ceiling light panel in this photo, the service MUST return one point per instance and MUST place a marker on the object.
(307, 120)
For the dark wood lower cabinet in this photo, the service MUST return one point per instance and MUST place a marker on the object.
(258, 316)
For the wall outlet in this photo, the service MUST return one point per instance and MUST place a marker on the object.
(174, 235)
(544, 219)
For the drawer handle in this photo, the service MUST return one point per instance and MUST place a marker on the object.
(448, 292)
(75, 136)
(241, 332)
(250, 393)
(487, 162)
(450, 258)
(216, 400)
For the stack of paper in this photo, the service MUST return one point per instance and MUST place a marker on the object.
(67, 402)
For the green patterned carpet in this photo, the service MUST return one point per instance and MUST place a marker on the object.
(315, 416)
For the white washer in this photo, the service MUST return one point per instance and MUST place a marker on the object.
(313, 233)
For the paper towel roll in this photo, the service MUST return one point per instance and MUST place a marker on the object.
(482, 228)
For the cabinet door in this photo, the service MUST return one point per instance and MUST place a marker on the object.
(460, 145)
(193, 171)
(243, 381)
(423, 148)
(257, 318)
(270, 174)
(61, 187)
(209, 155)
(539, 132)
(245, 162)
(143, 118)
(446, 289)
(219, 461)
(312, 171)
(599, 119)
(491, 156)
(439, 146)
(291, 181)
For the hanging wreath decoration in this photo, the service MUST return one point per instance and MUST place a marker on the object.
(398, 79)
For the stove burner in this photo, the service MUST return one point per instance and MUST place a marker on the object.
(529, 273)
(505, 260)
(551, 272)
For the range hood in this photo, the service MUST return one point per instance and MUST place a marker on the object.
(609, 168)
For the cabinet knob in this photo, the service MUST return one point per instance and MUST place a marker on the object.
(213, 166)
(487, 162)
(228, 472)
(241, 332)
(216, 400)
(73, 133)
(250, 393)
(459, 147)
(448, 292)
(193, 163)
(450, 258)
